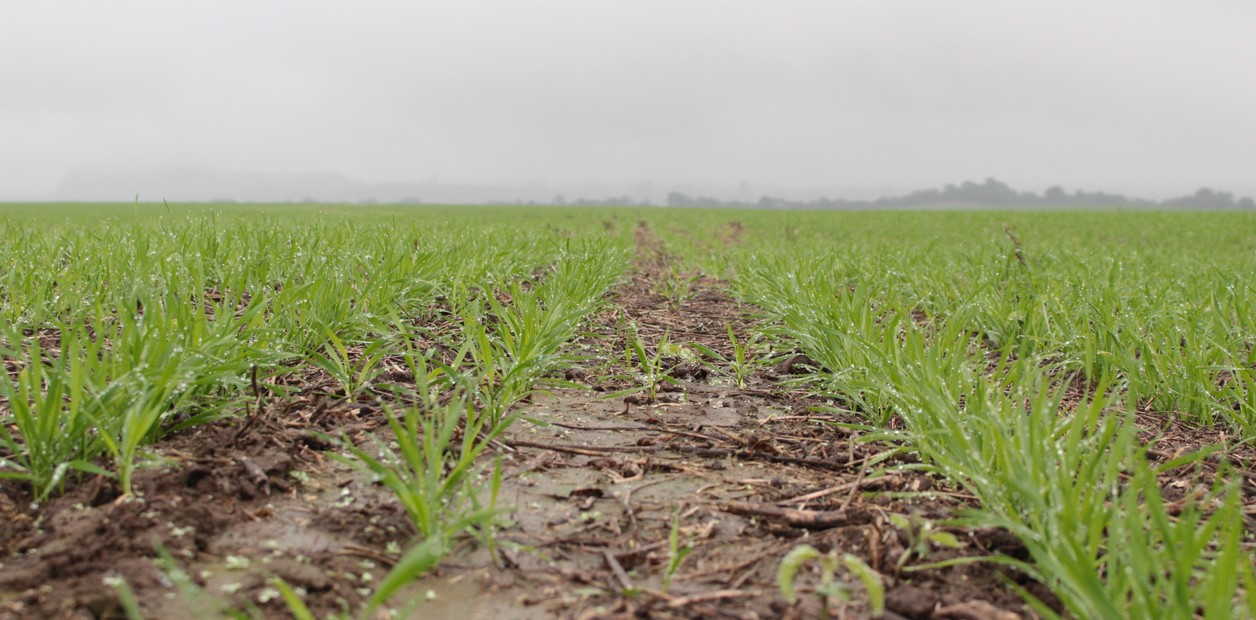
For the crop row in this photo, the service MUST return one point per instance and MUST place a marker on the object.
(1018, 376)
(118, 333)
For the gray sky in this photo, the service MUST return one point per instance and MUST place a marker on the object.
(799, 98)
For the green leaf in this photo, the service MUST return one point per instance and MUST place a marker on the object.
(945, 539)
(871, 582)
(790, 565)
(296, 606)
(127, 599)
(420, 559)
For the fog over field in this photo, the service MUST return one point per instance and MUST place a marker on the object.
(498, 100)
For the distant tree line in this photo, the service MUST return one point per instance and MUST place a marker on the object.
(613, 201)
(992, 193)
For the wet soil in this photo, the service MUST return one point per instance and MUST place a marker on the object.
(595, 482)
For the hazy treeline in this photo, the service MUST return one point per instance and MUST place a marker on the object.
(992, 192)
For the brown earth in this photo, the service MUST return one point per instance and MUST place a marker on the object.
(594, 483)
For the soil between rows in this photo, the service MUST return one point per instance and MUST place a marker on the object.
(593, 486)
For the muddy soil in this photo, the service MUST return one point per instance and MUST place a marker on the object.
(595, 483)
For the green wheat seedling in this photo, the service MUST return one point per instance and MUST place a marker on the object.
(651, 369)
(922, 535)
(830, 588)
(433, 472)
(434, 468)
(517, 346)
(438, 440)
(525, 345)
(677, 288)
(1239, 388)
(500, 380)
(336, 360)
(114, 388)
(518, 328)
(51, 411)
(676, 552)
(748, 357)
(152, 367)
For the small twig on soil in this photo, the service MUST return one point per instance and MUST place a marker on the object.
(320, 411)
(744, 577)
(802, 499)
(618, 570)
(974, 610)
(358, 551)
(728, 435)
(702, 452)
(850, 497)
(873, 537)
(257, 390)
(577, 427)
(576, 541)
(764, 456)
(642, 549)
(255, 473)
(718, 595)
(632, 514)
(697, 609)
(591, 451)
(754, 559)
(647, 429)
(805, 519)
(628, 495)
(704, 489)
(785, 418)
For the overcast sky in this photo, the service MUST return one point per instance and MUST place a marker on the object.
(1145, 97)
